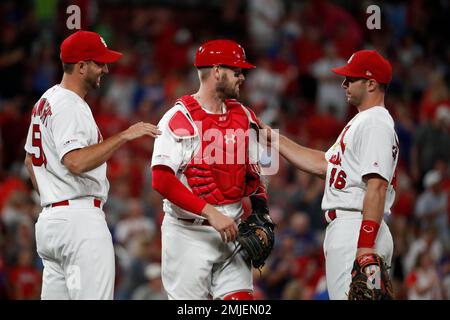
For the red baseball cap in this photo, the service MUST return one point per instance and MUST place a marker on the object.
(221, 52)
(87, 45)
(367, 64)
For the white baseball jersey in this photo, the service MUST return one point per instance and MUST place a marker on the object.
(368, 144)
(62, 121)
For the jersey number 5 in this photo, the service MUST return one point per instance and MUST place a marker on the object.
(339, 181)
(37, 142)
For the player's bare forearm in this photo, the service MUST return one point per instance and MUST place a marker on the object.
(88, 158)
(374, 199)
(303, 158)
(91, 157)
(29, 166)
(373, 205)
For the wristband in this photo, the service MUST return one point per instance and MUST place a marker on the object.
(368, 233)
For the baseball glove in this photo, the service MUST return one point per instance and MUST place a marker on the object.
(256, 238)
(370, 279)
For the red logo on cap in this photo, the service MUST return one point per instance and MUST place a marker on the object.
(103, 41)
(350, 59)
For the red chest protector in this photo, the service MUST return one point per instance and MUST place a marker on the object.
(217, 173)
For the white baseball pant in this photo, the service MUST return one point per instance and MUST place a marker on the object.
(192, 257)
(76, 248)
(340, 247)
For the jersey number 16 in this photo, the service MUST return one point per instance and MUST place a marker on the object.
(339, 180)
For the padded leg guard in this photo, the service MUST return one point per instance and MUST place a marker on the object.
(239, 295)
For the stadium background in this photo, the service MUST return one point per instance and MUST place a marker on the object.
(293, 44)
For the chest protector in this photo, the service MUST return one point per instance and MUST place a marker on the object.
(218, 171)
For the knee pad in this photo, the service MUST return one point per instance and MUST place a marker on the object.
(239, 295)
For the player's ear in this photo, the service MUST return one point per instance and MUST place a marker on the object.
(216, 72)
(372, 85)
(82, 67)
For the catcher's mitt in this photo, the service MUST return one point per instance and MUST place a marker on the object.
(370, 279)
(256, 238)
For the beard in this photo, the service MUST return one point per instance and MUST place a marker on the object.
(92, 81)
(225, 90)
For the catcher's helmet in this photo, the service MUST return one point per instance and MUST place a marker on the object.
(221, 52)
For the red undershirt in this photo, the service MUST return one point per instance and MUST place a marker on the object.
(166, 183)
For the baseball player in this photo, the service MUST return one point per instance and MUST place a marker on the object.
(358, 171)
(66, 159)
(202, 166)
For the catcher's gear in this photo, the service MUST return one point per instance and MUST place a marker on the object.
(256, 238)
(370, 279)
(221, 52)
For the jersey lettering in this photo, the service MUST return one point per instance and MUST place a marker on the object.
(336, 159)
(43, 110)
(341, 142)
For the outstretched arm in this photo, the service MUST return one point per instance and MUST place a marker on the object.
(303, 158)
(88, 158)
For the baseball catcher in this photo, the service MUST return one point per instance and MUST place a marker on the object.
(370, 279)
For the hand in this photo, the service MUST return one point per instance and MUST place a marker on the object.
(140, 129)
(264, 131)
(262, 125)
(225, 225)
(362, 251)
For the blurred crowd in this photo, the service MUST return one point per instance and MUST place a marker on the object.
(294, 44)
